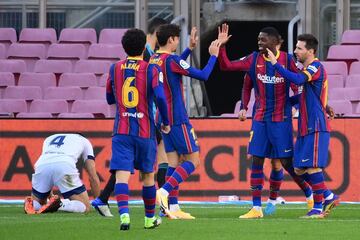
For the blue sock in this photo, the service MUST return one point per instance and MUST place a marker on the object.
(275, 180)
(174, 194)
(180, 174)
(318, 186)
(149, 198)
(122, 197)
(256, 182)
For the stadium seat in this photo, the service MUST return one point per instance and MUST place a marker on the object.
(347, 53)
(335, 81)
(350, 37)
(2, 51)
(112, 111)
(97, 107)
(54, 106)
(341, 107)
(7, 79)
(53, 66)
(103, 79)
(85, 36)
(66, 51)
(354, 68)
(98, 67)
(30, 53)
(65, 93)
(34, 115)
(353, 81)
(237, 107)
(14, 66)
(336, 68)
(8, 36)
(357, 109)
(27, 93)
(111, 52)
(352, 94)
(43, 80)
(76, 115)
(95, 93)
(44, 36)
(83, 80)
(337, 93)
(13, 105)
(111, 36)
(229, 115)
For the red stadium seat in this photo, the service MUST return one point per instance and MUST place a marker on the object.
(66, 51)
(97, 107)
(34, 115)
(8, 36)
(353, 81)
(111, 36)
(43, 80)
(76, 115)
(30, 53)
(111, 52)
(65, 93)
(83, 80)
(78, 35)
(95, 93)
(98, 67)
(45, 36)
(13, 105)
(27, 93)
(53, 66)
(335, 81)
(55, 106)
(350, 37)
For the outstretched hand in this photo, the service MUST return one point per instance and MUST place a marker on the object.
(214, 48)
(223, 33)
(271, 56)
(193, 38)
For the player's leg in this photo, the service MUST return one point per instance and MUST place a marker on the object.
(101, 203)
(162, 161)
(276, 178)
(149, 198)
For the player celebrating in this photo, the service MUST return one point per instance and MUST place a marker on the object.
(182, 139)
(132, 85)
(57, 167)
(312, 144)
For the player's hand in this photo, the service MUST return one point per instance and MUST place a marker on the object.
(193, 38)
(294, 112)
(330, 112)
(214, 48)
(271, 56)
(223, 34)
(242, 115)
(165, 128)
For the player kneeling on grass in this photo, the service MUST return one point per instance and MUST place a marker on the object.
(132, 85)
(57, 167)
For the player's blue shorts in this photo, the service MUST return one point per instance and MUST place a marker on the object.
(181, 139)
(271, 139)
(311, 151)
(129, 152)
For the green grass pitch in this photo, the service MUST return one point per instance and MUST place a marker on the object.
(212, 222)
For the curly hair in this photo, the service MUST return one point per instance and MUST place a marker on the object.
(133, 42)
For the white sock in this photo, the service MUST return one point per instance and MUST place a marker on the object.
(36, 205)
(258, 208)
(329, 197)
(273, 202)
(72, 206)
(174, 207)
(311, 197)
(164, 192)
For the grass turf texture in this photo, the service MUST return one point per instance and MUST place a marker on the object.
(212, 222)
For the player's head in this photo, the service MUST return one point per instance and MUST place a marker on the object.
(168, 35)
(155, 24)
(268, 37)
(306, 47)
(133, 42)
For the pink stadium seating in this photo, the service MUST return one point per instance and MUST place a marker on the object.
(66, 51)
(6, 79)
(353, 81)
(7, 36)
(337, 94)
(237, 107)
(27, 93)
(341, 107)
(111, 36)
(98, 107)
(34, 115)
(354, 68)
(111, 52)
(229, 115)
(13, 105)
(54, 106)
(347, 53)
(78, 35)
(2, 51)
(30, 53)
(352, 94)
(350, 37)
(43, 80)
(357, 110)
(98, 67)
(45, 36)
(112, 111)
(103, 79)
(95, 93)
(336, 68)
(14, 66)
(83, 80)
(76, 115)
(65, 93)
(53, 66)
(335, 81)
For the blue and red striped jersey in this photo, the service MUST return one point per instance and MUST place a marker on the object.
(132, 86)
(270, 88)
(173, 68)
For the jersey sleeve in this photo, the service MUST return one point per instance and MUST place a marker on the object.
(312, 71)
(110, 98)
(157, 85)
(246, 92)
(88, 151)
(243, 64)
(185, 54)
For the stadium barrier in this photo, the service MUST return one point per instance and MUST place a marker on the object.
(225, 165)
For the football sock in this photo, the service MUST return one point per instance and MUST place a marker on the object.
(72, 206)
(299, 180)
(328, 194)
(162, 172)
(149, 198)
(256, 182)
(174, 194)
(109, 188)
(276, 178)
(36, 205)
(318, 186)
(180, 174)
(122, 197)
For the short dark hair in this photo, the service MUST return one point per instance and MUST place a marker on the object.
(273, 32)
(165, 32)
(133, 42)
(155, 24)
(310, 41)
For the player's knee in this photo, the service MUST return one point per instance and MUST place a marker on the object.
(299, 171)
(276, 164)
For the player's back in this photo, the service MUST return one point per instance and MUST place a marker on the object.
(66, 147)
(131, 83)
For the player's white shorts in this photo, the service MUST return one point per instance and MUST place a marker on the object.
(63, 175)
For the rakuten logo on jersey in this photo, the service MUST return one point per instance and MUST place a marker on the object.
(134, 115)
(272, 80)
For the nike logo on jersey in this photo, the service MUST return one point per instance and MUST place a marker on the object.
(305, 160)
(288, 150)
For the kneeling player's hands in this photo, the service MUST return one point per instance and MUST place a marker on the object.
(242, 115)
(165, 128)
